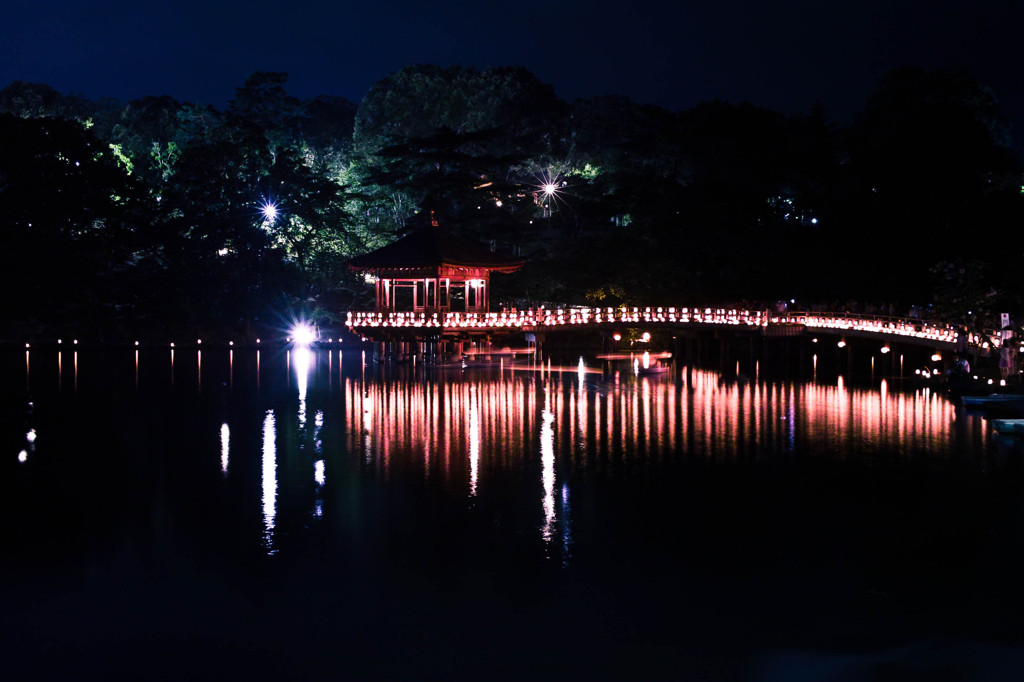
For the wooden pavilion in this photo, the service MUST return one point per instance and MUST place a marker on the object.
(432, 270)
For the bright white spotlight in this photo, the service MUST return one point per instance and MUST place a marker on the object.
(550, 189)
(269, 211)
(303, 334)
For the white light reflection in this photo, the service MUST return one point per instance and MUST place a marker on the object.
(368, 418)
(303, 361)
(566, 527)
(474, 441)
(319, 466)
(547, 457)
(320, 476)
(582, 372)
(225, 438)
(269, 481)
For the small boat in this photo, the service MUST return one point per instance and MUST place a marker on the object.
(649, 365)
(1009, 426)
(994, 400)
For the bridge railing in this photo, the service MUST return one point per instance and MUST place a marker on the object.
(553, 317)
(543, 318)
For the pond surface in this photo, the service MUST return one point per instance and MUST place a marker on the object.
(300, 514)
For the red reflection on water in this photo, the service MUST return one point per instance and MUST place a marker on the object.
(468, 431)
(464, 429)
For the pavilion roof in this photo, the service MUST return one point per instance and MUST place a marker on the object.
(433, 246)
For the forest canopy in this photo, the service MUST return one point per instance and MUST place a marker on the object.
(121, 218)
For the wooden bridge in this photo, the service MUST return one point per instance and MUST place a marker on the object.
(535, 321)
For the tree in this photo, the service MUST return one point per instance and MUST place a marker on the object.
(148, 137)
(263, 102)
(928, 176)
(68, 232)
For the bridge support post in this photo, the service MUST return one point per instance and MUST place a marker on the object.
(537, 339)
(753, 357)
(724, 351)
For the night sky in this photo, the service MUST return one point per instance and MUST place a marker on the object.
(786, 56)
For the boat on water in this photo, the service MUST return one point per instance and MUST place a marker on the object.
(650, 365)
(1014, 427)
(1010, 400)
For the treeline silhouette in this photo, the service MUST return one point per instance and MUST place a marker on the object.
(123, 219)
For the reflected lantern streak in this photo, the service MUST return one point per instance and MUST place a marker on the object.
(547, 456)
(269, 481)
(474, 441)
(225, 441)
(303, 361)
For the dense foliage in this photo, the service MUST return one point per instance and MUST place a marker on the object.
(127, 217)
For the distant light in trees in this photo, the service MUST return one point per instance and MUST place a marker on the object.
(550, 184)
(269, 210)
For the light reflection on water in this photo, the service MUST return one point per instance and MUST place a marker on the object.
(503, 495)
(547, 457)
(474, 441)
(481, 425)
(225, 442)
(269, 480)
(302, 358)
(464, 431)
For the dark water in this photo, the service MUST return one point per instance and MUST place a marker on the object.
(299, 516)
